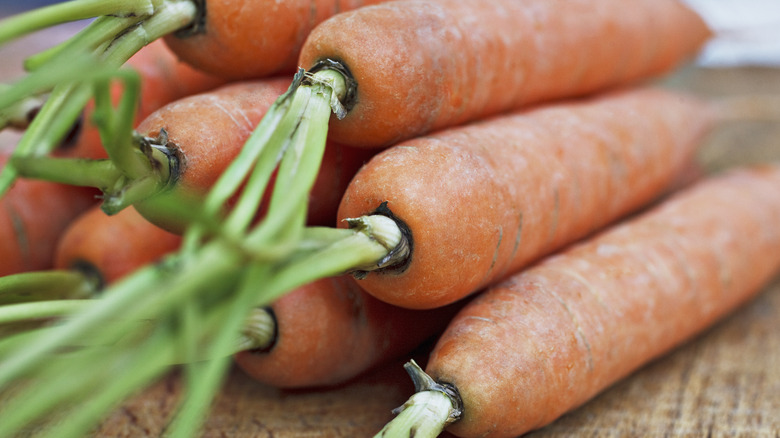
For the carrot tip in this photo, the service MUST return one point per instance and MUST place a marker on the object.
(386, 232)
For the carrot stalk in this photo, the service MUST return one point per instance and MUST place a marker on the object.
(94, 36)
(67, 99)
(47, 16)
(45, 285)
(10, 313)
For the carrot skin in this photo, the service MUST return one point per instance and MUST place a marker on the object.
(484, 200)
(33, 215)
(112, 246)
(424, 65)
(550, 338)
(253, 39)
(330, 331)
(164, 79)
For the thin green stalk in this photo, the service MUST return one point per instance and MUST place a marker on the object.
(99, 313)
(244, 211)
(45, 285)
(116, 123)
(246, 162)
(62, 381)
(306, 150)
(235, 174)
(142, 365)
(12, 313)
(74, 10)
(67, 100)
(52, 122)
(101, 174)
(98, 32)
(204, 379)
(353, 252)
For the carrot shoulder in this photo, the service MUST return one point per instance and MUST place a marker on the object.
(483, 200)
(420, 65)
(552, 337)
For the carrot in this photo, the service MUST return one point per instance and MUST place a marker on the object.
(110, 247)
(329, 331)
(33, 214)
(481, 201)
(552, 337)
(421, 65)
(164, 79)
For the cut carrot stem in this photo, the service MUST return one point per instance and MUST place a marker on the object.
(100, 174)
(367, 246)
(47, 16)
(19, 114)
(259, 330)
(427, 412)
(45, 285)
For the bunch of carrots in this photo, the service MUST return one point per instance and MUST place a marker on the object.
(312, 188)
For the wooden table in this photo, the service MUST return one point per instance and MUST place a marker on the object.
(724, 383)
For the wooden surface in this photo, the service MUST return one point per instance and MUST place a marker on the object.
(724, 383)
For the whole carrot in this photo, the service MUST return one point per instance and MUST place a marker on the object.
(33, 214)
(419, 65)
(550, 338)
(481, 201)
(329, 331)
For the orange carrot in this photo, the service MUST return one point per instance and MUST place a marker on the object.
(420, 65)
(330, 331)
(111, 247)
(550, 338)
(33, 214)
(481, 201)
(163, 79)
